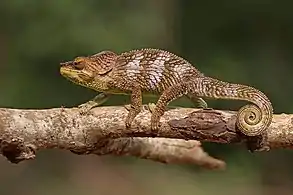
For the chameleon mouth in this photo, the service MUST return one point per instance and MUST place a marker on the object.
(70, 73)
(67, 71)
(73, 75)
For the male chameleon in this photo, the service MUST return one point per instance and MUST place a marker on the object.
(155, 71)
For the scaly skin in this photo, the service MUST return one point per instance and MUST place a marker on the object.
(154, 71)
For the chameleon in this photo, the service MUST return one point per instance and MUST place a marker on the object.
(150, 71)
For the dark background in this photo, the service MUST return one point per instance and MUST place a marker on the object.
(241, 41)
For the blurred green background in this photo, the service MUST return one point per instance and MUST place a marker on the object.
(245, 41)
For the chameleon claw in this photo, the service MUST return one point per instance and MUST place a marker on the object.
(127, 123)
(155, 127)
(201, 103)
(151, 107)
(127, 107)
(129, 119)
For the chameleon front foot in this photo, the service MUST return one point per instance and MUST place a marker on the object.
(130, 117)
(96, 101)
(86, 107)
(135, 107)
(128, 123)
(132, 112)
(150, 107)
(201, 103)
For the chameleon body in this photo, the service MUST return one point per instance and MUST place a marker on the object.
(155, 71)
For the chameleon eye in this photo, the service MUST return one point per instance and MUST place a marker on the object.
(78, 65)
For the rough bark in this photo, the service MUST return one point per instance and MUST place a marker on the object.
(102, 131)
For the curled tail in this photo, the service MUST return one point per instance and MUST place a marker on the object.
(252, 119)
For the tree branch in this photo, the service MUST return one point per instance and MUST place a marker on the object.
(162, 150)
(102, 131)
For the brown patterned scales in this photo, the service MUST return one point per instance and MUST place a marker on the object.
(154, 71)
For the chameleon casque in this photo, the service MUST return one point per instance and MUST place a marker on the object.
(155, 71)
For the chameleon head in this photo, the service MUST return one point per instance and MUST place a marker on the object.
(76, 71)
(91, 71)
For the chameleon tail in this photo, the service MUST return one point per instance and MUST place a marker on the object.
(252, 119)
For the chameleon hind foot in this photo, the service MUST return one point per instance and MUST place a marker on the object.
(200, 103)
(155, 122)
(151, 107)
